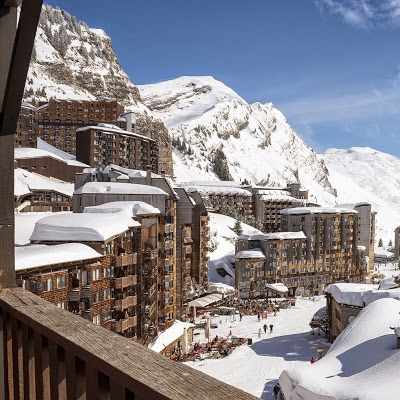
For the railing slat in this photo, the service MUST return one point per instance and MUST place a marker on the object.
(3, 357)
(37, 340)
(70, 373)
(53, 366)
(92, 382)
(117, 391)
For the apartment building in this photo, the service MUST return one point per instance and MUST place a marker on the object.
(108, 292)
(332, 239)
(48, 164)
(58, 119)
(268, 203)
(34, 193)
(59, 273)
(25, 135)
(106, 144)
(96, 193)
(225, 196)
(268, 258)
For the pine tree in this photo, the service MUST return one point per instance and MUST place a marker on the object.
(380, 243)
(390, 243)
(237, 228)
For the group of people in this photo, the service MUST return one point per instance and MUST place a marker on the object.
(265, 327)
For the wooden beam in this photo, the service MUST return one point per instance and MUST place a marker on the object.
(16, 47)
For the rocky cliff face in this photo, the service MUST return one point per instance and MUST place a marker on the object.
(70, 60)
(209, 122)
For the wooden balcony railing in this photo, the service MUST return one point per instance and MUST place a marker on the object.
(123, 304)
(49, 353)
(126, 259)
(121, 283)
(124, 324)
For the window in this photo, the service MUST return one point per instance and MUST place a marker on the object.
(96, 274)
(62, 304)
(96, 319)
(61, 281)
(107, 316)
(108, 272)
(47, 285)
(108, 294)
(96, 297)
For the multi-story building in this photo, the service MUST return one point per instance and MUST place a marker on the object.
(106, 144)
(58, 119)
(33, 192)
(96, 193)
(268, 258)
(47, 164)
(25, 136)
(332, 239)
(225, 196)
(113, 282)
(268, 203)
(148, 275)
(397, 244)
(60, 273)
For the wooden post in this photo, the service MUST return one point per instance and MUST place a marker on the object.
(15, 49)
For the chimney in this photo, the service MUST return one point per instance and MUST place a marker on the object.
(148, 176)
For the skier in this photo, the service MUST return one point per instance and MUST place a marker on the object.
(258, 316)
(240, 316)
(265, 328)
(259, 332)
(270, 328)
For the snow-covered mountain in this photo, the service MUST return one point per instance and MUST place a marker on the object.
(364, 174)
(71, 60)
(218, 135)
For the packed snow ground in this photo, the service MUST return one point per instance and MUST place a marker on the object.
(256, 368)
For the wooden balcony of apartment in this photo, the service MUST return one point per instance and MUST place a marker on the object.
(123, 324)
(167, 228)
(187, 265)
(169, 323)
(151, 309)
(152, 290)
(149, 254)
(49, 353)
(122, 283)
(168, 245)
(76, 294)
(123, 304)
(187, 249)
(126, 259)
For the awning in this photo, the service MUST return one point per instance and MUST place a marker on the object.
(206, 300)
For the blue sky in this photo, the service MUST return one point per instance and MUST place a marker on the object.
(331, 66)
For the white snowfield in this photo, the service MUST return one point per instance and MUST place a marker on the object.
(362, 363)
(28, 257)
(81, 227)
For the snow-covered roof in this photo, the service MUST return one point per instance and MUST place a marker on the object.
(218, 190)
(27, 257)
(361, 248)
(279, 287)
(113, 129)
(206, 300)
(129, 208)
(27, 152)
(219, 287)
(361, 363)
(169, 336)
(214, 183)
(276, 195)
(359, 294)
(381, 252)
(253, 253)
(132, 173)
(81, 227)
(25, 182)
(388, 283)
(118, 188)
(275, 236)
(317, 210)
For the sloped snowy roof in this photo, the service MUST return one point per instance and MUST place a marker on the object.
(254, 253)
(27, 152)
(318, 210)
(25, 182)
(381, 252)
(27, 257)
(362, 362)
(112, 129)
(276, 194)
(279, 287)
(359, 294)
(218, 190)
(132, 173)
(275, 236)
(81, 227)
(169, 336)
(129, 208)
(118, 188)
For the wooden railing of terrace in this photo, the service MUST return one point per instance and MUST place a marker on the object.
(50, 353)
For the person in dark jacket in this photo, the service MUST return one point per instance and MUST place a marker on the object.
(265, 328)
(270, 328)
(275, 390)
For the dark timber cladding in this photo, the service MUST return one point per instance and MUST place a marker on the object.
(88, 359)
(15, 49)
